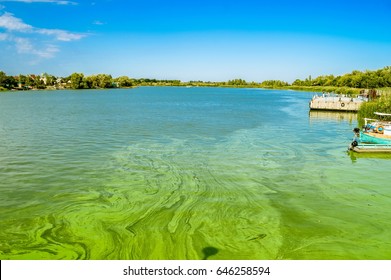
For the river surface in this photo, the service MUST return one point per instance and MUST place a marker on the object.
(186, 173)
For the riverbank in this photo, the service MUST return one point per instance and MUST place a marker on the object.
(347, 84)
(339, 90)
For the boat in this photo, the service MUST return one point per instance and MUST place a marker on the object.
(334, 102)
(370, 148)
(374, 137)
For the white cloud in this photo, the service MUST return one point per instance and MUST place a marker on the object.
(14, 24)
(11, 23)
(48, 51)
(28, 39)
(25, 46)
(98, 22)
(60, 35)
(43, 1)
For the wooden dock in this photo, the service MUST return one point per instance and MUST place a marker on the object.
(336, 103)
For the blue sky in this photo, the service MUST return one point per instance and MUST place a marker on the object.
(195, 40)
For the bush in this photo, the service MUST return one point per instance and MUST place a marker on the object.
(368, 109)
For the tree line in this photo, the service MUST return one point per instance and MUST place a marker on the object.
(355, 80)
(369, 79)
(77, 81)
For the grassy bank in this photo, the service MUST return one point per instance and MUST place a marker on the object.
(367, 109)
(339, 90)
(384, 91)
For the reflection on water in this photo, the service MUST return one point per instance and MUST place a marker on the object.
(176, 173)
(318, 115)
(362, 156)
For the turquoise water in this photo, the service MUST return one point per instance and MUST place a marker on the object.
(186, 173)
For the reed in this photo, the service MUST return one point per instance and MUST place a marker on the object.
(384, 91)
(339, 90)
(368, 109)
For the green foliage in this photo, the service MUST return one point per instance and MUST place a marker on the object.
(273, 84)
(98, 81)
(357, 79)
(105, 81)
(3, 78)
(123, 81)
(77, 81)
(339, 90)
(7, 82)
(367, 109)
(349, 84)
(237, 82)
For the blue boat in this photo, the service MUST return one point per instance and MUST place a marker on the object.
(374, 137)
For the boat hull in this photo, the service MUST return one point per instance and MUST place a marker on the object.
(368, 138)
(371, 148)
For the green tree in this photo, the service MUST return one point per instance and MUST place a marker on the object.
(39, 83)
(48, 79)
(77, 80)
(274, 83)
(237, 82)
(91, 82)
(3, 78)
(99, 81)
(105, 81)
(124, 81)
(7, 82)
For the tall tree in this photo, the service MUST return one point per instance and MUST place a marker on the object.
(77, 80)
(124, 81)
(7, 82)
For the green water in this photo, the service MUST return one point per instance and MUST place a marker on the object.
(186, 173)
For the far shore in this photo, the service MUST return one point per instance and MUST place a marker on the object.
(348, 84)
(337, 90)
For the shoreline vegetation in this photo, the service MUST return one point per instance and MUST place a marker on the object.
(368, 109)
(349, 84)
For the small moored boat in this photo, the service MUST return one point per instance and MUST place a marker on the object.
(374, 137)
(370, 148)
